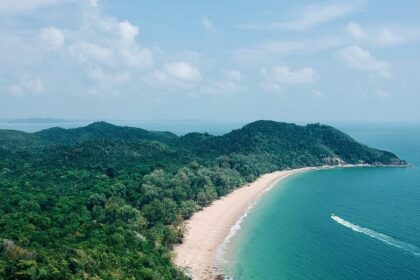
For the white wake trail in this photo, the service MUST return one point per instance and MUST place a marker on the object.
(379, 236)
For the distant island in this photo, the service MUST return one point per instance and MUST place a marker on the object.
(108, 202)
(38, 120)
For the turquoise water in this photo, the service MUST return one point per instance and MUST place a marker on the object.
(374, 234)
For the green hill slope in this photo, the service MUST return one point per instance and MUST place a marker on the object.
(101, 130)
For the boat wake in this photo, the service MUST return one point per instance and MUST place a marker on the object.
(379, 236)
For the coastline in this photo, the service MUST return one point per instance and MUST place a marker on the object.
(211, 228)
(208, 231)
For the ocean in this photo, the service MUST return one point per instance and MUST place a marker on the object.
(350, 223)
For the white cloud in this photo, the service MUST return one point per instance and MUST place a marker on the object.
(358, 58)
(129, 50)
(106, 50)
(308, 17)
(182, 71)
(128, 31)
(182, 75)
(208, 25)
(137, 57)
(94, 3)
(355, 30)
(160, 77)
(264, 53)
(101, 76)
(52, 37)
(275, 77)
(175, 75)
(101, 53)
(85, 52)
(387, 37)
(16, 7)
(383, 36)
(230, 83)
(27, 85)
(109, 42)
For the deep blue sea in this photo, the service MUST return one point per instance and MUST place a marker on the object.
(354, 223)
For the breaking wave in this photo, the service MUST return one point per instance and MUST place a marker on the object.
(379, 236)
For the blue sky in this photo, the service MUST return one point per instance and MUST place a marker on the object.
(303, 61)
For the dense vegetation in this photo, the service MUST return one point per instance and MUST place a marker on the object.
(107, 202)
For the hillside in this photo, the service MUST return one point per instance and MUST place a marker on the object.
(289, 145)
(101, 130)
(106, 202)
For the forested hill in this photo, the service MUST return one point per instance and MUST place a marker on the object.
(289, 145)
(107, 202)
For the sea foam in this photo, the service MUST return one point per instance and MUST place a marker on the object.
(379, 236)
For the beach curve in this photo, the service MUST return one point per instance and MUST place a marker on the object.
(208, 229)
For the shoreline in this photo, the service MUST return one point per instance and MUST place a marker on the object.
(209, 230)
(212, 227)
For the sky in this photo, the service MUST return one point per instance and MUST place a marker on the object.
(298, 61)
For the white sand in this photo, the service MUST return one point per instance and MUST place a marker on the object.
(207, 229)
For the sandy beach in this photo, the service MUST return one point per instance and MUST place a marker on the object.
(208, 228)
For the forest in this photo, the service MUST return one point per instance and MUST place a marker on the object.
(108, 202)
